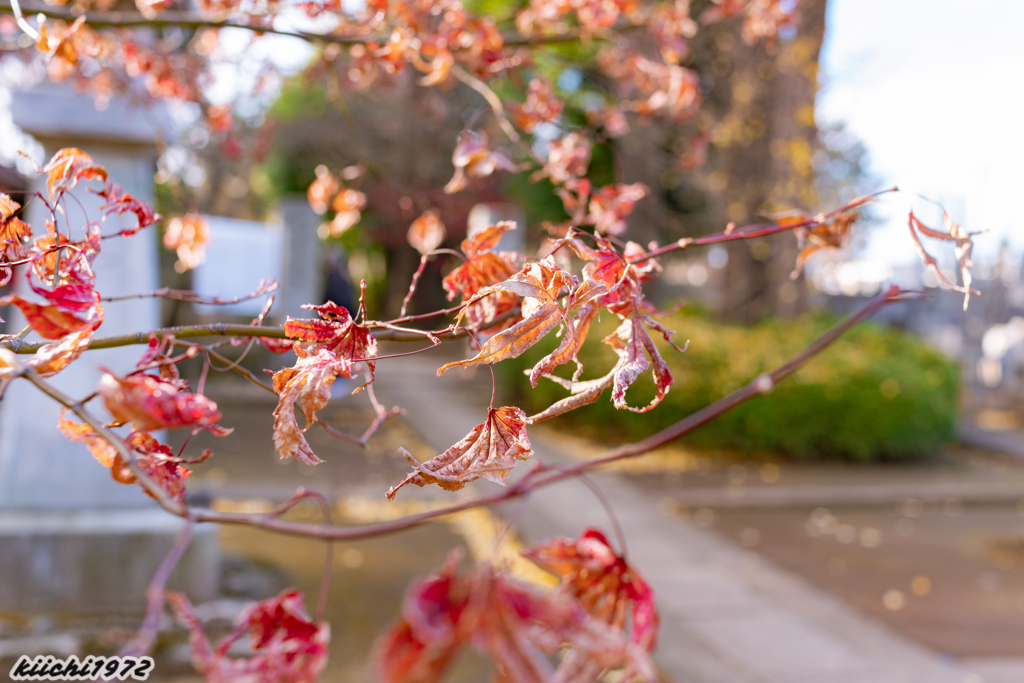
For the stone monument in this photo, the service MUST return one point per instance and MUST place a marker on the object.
(72, 540)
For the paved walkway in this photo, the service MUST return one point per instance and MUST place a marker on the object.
(725, 618)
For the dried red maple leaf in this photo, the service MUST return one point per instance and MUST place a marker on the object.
(518, 626)
(540, 284)
(71, 308)
(69, 166)
(308, 382)
(963, 246)
(288, 646)
(337, 332)
(630, 341)
(426, 232)
(150, 403)
(489, 451)
(608, 267)
(603, 582)
(484, 267)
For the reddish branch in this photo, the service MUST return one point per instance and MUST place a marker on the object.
(755, 230)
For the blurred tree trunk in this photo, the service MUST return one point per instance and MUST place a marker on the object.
(766, 137)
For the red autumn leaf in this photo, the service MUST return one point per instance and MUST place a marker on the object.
(489, 451)
(71, 308)
(518, 626)
(157, 461)
(337, 332)
(603, 582)
(150, 403)
(308, 382)
(120, 202)
(288, 646)
(964, 245)
(484, 267)
(426, 232)
(69, 166)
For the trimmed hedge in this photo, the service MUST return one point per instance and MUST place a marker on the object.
(875, 394)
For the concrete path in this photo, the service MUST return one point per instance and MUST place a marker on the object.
(727, 615)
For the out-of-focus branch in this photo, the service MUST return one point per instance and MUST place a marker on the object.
(193, 20)
(142, 642)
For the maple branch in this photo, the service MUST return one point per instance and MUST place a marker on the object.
(193, 20)
(388, 333)
(537, 477)
(749, 232)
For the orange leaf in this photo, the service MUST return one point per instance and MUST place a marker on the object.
(489, 451)
(426, 232)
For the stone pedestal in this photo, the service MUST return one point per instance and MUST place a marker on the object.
(71, 539)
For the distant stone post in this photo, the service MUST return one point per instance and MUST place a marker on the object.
(71, 539)
(302, 258)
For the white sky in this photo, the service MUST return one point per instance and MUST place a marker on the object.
(935, 90)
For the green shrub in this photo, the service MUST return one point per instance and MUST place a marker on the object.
(875, 394)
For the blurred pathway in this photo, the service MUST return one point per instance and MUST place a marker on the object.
(725, 619)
